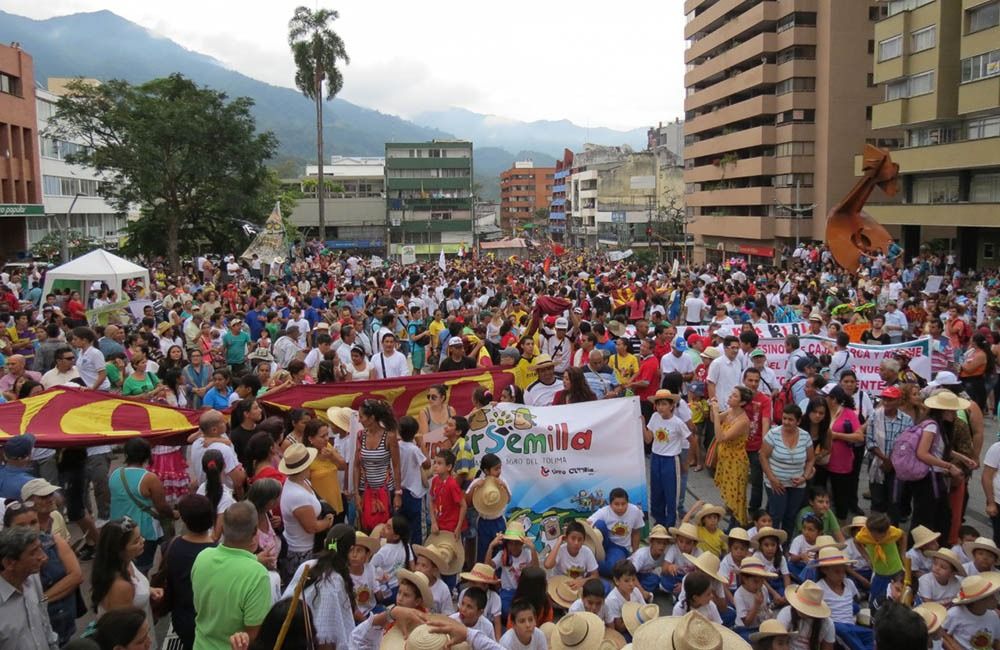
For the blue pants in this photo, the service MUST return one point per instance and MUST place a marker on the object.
(855, 637)
(612, 552)
(506, 598)
(745, 632)
(778, 584)
(784, 507)
(728, 616)
(413, 511)
(880, 584)
(486, 530)
(683, 458)
(664, 486)
(450, 581)
(650, 582)
(801, 572)
(668, 582)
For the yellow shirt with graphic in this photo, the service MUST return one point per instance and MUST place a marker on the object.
(625, 367)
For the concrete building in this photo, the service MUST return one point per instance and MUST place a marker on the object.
(20, 170)
(559, 227)
(940, 63)
(581, 190)
(524, 189)
(626, 201)
(779, 97)
(669, 135)
(354, 202)
(69, 192)
(429, 196)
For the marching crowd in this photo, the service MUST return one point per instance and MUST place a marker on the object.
(381, 540)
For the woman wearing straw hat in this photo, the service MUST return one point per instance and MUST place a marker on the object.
(300, 507)
(807, 618)
(772, 635)
(841, 595)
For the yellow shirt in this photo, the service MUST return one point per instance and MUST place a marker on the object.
(625, 367)
(711, 542)
(516, 316)
(524, 376)
(435, 329)
(324, 478)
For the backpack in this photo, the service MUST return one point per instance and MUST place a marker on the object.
(904, 454)
(785, 397)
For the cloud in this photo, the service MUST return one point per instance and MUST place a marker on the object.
(404, 87)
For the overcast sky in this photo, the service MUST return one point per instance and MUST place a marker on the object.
(598, 63)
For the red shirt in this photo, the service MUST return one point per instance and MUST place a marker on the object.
(758, 407)
(446, 499)
(649, 370)
(661, 349)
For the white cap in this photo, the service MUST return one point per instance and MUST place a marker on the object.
(828, 388)
(562, 323)
(455, 340)
(944, 378)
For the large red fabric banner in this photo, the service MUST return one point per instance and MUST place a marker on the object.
(407, 395)
(72, 417)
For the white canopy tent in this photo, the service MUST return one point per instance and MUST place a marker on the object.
(95, 266)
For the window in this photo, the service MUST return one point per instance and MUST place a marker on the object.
(796, 19)
(983, 17)
(890, 48)
(986, 127)
(981, 66)
(923, 39)
(918, 84)
(988, 250)
(878, 12)
(942, 134)
(985, 188)
(794, 149)
(791, 180)
(10, 84)
(937, 189)
(795, 84)
(440, 216)
(797, 115)
(50, 186)
(797, 53)
(899, 6)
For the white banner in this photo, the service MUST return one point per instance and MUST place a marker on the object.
(408, 254)
(562, 462)
(617, 256)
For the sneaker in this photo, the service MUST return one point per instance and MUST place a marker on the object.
(86, 553)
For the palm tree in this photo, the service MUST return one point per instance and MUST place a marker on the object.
(317, 49)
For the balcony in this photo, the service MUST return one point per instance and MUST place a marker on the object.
(758, 76)
(761, 13)
(740, 169)
(428, 163)
(701, 22)
(754, 137)
(980, 95)
(429, 204)
(762, 104)
(734, 227)
(950, 214)
(559, 189)
(908, 110)
(751, 49)
(953, 156)
(731, 197)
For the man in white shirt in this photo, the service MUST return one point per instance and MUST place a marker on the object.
(677, 361)
(694, 308)
(213, 431)
(542, 392)
(895, 323)
(558, 346)
(725, 373)
(64, 371)
(389, 363)
(295, 318)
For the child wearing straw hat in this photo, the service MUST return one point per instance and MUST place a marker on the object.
(842, 596)
(648, 560)
(973, 622)
(772, 635)
(395, 554)
(483, 576)
(676, 564)
(363, 573)
(807, 618)
(706, 517)
(925, 542)
(861, 571)
(708, 564)
(666, 433)
(985, 556)
(941, 584)
(752, 600)
(768, 542)
(489, 495)
(739, 547)
(432, 560)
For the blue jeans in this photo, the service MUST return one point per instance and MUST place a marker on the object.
(612, 552)
(650, 582)
(855, 637)
(486, 531)
(664, 486)
(683, 458)
(412, 509)
(784, 507)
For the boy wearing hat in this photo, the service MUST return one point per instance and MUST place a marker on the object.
(649, 560)
(666, 433)
(985, 556)
(973, 622)
(941, 584)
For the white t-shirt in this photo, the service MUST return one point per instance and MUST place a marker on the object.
(841, 605)
(493, 607)
(295, 496)
(365, 588)
(442, 598)
(410, 460)
(725, 375)
(744, 602)
(919, 562)
(708, 610)
(539, 394)
(930, 590)
(644, 562)
(668, 435)
(693, 308)
(670, 362)
(55, 378)
(224, 502)
(575, 567)
(620, 527)
(229, 460)
(510, 575)
(992, 460)
(90, 363)
(510, 641)
(387, 561)
(963, 626)
(605, 615)
(799, 545)
(387, 366)
(729, 569)
(800, 638)
(780, 570)
(615, 600)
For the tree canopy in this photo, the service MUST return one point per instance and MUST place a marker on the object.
(186, 157)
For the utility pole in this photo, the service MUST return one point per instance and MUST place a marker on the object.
(797, 211)
(64, 236)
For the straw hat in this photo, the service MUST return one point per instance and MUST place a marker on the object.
(977, 587)
(395, 638)
(541, 360)
(984, 544)
(421, 638)
(548, 628)
(739, 534)
(297, 459)
(709, 509)
(945, 400)
(949, 556)
(515, 532)
(443, 557)
(490, 499)
(373, 544)
(663, 393)
(593, 539)
(768, 531)
(561, 591)
(711, 352)
(933, 615)
(420, 581)
(634, 615)
(829, 556)
(578, 631)
(753, 566)
(922, 536)
(686, 529)
(689, 632)
(807, 599)
(482, 573)
(861, 521)
(659, 532)
(826, 541)
(340, 417)
(163, 327)
(616, 328)
(379, 532)
(770, 627)
(613, 640)
(709, 563)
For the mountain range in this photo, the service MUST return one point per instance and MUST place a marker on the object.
(103, 45)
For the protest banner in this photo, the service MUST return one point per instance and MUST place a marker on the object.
(407, 395)
(562, 462)
(764, 330)
(71, 417)
(617, 256)
(115, 313)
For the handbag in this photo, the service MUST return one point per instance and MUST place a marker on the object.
(320, 538)
(160, 579)
(711, 455)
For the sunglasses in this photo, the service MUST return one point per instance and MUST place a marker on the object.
(14, 506)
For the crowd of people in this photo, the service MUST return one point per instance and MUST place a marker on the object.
(361, 541)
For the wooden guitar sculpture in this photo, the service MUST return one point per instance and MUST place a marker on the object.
(851, 233)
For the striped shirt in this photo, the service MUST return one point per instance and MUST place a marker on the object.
(376, 464)
(786, 463)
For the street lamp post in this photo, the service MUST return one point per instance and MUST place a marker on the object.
(797, 211)
(64, 237)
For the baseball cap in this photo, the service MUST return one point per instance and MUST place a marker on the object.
(19, 446)
(562, 323)
(803, 363)
(891, 392)
(37, 487)
(693, 337)
(680, 344)
(455, 340)
(757, 353)
(944, 378)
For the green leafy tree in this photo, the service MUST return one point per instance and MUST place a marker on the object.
(317, 49)
(49, 247)
(187, 157)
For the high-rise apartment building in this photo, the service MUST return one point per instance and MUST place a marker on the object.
(20, 173)
(524, 188)
(939, 61)
(779, 96)
(429, 195)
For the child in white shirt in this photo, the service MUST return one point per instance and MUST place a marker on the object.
(523, 635)
(975, 616)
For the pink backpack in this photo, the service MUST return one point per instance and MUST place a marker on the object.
(904, 454)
